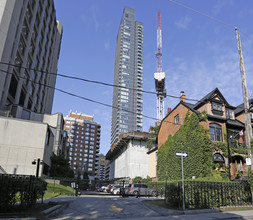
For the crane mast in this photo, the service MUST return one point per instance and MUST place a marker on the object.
(159, 76)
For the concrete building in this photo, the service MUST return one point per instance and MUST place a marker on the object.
(128, 156)
(84, 138)
(30, 40)
(22, 142)
(128, 72)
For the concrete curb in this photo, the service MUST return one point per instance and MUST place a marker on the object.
(51, 211)
(160, 210)
(165, 212)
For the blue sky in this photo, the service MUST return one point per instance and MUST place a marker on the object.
(199, 54)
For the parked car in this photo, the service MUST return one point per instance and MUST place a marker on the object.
(109, 187)
(115, 189)
(103, 188)
(141, 190)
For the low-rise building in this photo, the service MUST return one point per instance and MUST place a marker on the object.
(152, 163)
(128, 156)
(23, 141)
(224, 122)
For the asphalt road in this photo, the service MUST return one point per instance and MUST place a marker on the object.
(111, 207)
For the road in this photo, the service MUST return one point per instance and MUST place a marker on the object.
(111, 207)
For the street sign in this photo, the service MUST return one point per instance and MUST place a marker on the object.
(181, 154)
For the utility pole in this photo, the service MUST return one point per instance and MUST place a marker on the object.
(246, 98)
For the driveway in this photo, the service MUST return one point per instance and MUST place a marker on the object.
(115, 207)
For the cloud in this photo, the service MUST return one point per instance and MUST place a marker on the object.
(91, 19)
(107, 45)
(183, 23)
(198, 76)
(220, 6)
(94, 18)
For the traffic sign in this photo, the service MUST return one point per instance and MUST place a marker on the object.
(181, 154)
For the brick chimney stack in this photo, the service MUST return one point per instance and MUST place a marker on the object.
(182, 97)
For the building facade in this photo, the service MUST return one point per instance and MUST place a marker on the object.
(128, 73)
(30, 40)
(225, 123)
(100, 172)
(84, 138)
(128, 156)
(23, 141)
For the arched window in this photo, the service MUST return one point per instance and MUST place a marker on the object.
(218, 158)
(215, 132)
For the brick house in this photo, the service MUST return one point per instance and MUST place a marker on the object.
(222, 119)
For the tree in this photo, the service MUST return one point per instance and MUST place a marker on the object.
(153, 134)
(60, 167)
(137, 179)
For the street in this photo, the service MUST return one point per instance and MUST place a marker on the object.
(114, 207)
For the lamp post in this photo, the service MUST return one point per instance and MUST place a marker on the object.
(38, 166)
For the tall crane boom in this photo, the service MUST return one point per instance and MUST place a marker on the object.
(159, 43)
(159, 76)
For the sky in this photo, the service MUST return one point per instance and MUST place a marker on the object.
(199, 53)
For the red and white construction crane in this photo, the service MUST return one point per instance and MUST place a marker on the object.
(159, 75)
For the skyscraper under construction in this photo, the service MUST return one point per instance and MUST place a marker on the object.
(128, 76)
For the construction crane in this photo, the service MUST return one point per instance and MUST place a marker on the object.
(159, 76)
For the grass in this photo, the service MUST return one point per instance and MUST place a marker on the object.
(56, 190)
(159, 203)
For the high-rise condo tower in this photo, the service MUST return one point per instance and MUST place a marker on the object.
(128, 73)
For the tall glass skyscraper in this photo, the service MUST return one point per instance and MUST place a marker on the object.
(128, 72)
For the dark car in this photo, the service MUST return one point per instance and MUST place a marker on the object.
(140, 189)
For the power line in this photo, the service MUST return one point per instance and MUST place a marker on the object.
(93, 101)
(210, 17)
(87, 99)
(93, 81)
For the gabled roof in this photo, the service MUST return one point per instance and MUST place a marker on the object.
(211, 96)
(187, 105)
(240, 108)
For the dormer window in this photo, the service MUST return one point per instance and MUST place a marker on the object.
(217, 108)
(230, 114)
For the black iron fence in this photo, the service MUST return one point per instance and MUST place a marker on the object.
(160, 188)
(208, 194)
(19, 191)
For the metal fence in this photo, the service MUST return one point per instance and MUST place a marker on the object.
(209, 194)
(19, 191)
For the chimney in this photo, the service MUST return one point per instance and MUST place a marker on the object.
(169, 110)
(182, 97)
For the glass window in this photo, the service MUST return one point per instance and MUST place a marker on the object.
(216, 106)
(176, 119)
(230, 114)
(215, 132)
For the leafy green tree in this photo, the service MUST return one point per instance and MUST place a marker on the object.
(60, 167)
(137, 179)
(191, 138)
(153, 134)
